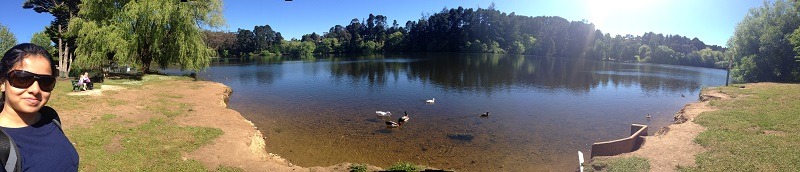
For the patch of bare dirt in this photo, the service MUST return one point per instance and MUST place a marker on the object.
(774, 133)
(96, 92)
(115, 145)
(674, 145)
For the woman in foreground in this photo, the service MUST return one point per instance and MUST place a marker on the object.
(28, 79)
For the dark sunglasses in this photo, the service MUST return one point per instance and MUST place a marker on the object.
(24, 79)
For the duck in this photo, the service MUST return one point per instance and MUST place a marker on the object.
(392, 124)
(403, 119)
(648, 116)
(484, 114)
(383, 114)
(431, 100)
(682, 95)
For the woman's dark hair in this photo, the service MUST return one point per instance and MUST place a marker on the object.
(21, 51)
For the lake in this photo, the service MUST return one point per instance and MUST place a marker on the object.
(542, 109)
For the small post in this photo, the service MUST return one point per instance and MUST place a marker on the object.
(730, 63)
(580, 160)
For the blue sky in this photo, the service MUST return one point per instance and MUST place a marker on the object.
(712, 21)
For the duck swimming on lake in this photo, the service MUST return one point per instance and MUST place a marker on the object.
(431, 100)
(484, 114)
(403, 119)
(682, 95)
(648, 116)
(400, 122)
(383, 114)
(392, 124)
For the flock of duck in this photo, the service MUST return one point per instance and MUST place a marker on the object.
(386, 116)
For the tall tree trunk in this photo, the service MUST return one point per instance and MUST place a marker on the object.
(146, 60)
(68, 57)
(61, 60)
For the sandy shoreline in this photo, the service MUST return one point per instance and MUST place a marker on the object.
(674, 145)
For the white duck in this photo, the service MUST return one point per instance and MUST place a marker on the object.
(431, 100)
(383, 114)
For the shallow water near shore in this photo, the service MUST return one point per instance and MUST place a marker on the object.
(542, 109)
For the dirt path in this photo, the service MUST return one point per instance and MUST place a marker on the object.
(241, 145)
(674, 145)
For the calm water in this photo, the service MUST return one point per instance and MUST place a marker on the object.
(543, 110)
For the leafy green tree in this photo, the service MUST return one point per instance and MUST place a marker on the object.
(762, 41)
(245, 42)
(7, 39)
(298, 48)
(663, 54)
(63, 11)
(492, 31)
(644, 53)
(264, 37)
(222, 42)
(517, 48)
(395, 42)
(328, 45)
(41, 39)
(795, 39)
(140, 33)
(371, 47)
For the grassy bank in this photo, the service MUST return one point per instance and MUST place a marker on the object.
(116, 140)
(629, 164)
(757, 130)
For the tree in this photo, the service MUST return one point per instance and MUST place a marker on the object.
(7, 39)
(762, 40)
(328, 45)
(795, 39)
(63, 11)
(140, 33)
(41, 39)
(492, 31)
(264, 37)
(394, 43)
(222, 42)
(245, 42)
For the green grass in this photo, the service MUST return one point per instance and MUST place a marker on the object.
(168, 107)
(60, 99)
(115, 102)
(107, 117)
(755, 131)
(153, 146)
(358, 168)
(229, 169)
(630, 164)
(404, 166)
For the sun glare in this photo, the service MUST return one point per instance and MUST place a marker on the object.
(601, 11)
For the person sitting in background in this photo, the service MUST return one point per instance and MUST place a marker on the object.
(80, 83)
(87, 83)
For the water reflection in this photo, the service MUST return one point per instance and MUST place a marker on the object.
(490, 72)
